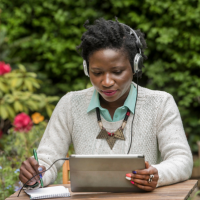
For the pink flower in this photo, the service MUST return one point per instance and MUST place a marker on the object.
(4, 68)
(22, 123)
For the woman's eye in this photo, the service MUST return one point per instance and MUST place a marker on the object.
(118, 72)
(96, 73)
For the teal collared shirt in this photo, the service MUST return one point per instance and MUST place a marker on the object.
(119, 112)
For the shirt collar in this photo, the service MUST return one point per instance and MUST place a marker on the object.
(129, 103)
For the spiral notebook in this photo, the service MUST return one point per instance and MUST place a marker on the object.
(49, 192)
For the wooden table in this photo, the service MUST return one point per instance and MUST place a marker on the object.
(172, 192)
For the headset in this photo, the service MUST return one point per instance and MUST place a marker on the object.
(138, 59)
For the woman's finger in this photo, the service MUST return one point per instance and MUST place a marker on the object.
(32, 171)
(140, 178)
(150, 170)
(145, 182)
(144, 187)
(34, 165)
(143, 177)
(37, 168)
(147, 165)
(27, 171)
(29, 175)
(24, 179)
(41, 169)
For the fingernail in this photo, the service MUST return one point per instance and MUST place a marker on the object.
(132, 182)
(40, 169)
(129, 175)
(40, 175)
(128, 178)
(134, 172)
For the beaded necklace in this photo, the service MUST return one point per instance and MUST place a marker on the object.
(111, 137)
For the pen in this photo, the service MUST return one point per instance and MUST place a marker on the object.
(36, 158)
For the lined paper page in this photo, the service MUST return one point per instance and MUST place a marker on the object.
(49, 192)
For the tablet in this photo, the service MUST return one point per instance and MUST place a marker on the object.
(104, 173)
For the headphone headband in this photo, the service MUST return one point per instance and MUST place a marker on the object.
(132, 32)
(138, 59)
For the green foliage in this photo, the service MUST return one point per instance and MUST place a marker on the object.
(8, 179)
(47, 33)
(17, 147)
(17, 94)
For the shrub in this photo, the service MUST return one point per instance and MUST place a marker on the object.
(44, 35)
(17, 146)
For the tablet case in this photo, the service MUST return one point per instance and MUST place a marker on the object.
(104, 173)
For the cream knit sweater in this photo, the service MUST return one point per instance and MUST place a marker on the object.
(157, 133)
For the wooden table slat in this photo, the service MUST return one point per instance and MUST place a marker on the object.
(179, 191)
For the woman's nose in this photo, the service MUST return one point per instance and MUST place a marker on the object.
(107, 81)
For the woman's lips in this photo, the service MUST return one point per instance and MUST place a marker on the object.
(109, 92)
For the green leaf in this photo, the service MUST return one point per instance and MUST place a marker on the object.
(14, 82)
(10, 111)
(3, 112)
(28, 85)
(3, 87)
(31, 74)
(18, 106)
(36, 85)
(49, 110)
(32, 105)
(22, 67)
(19, 82)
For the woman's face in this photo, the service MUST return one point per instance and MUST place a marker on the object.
(111, 74)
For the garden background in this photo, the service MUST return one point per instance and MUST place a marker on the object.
(38, 42)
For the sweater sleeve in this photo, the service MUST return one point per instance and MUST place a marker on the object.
(175, 152)
(56, 139)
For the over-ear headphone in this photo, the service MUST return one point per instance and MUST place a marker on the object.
(138, 59)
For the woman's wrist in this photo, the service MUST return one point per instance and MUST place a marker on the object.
(31, 187)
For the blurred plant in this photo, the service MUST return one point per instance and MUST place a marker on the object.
(47, 33)
(17, 95)
(8, 177)
(196, 163)
(17, 147)
(22, 123)
(4, 68)
(37, 118)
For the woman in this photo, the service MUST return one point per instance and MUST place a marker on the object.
(154, 127)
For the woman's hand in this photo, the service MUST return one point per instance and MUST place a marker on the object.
(28, 169)
(140, 178)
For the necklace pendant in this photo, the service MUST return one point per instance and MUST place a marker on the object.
(111, 141)
(102, 134)
(119, 134)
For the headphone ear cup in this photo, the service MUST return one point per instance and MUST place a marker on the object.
(85, 68)
(138, 63)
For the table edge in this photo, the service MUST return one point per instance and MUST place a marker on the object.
(190, 192)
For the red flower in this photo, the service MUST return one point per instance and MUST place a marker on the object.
(1, 133)
(4, 68)
(22, 123)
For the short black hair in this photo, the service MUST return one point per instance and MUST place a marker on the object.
(108, 34)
